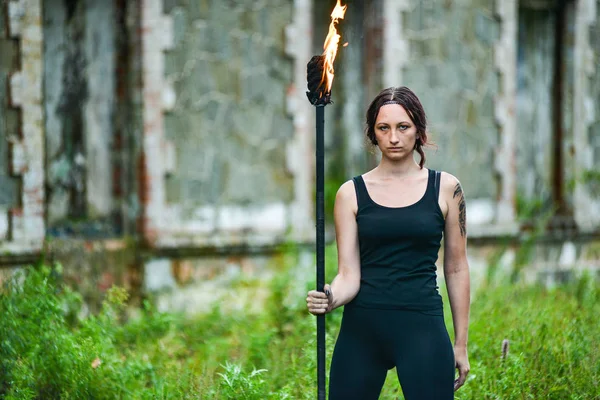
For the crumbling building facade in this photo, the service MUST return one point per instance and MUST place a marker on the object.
(156, 144)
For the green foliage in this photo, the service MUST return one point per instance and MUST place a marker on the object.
(536, 216)
(48, 350)
(553, 338)
(237, 385)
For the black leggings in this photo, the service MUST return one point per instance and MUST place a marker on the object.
(372, 341)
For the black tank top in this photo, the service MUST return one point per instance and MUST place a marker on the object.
(398, 250)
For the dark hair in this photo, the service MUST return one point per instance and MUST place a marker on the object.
(406, 98)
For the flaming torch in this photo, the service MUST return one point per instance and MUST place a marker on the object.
(320, 79)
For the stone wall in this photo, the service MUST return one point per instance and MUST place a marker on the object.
(9, 63)
(222, 152)
(539, 181)
(191, 114)
(586, 204)
(535, 73)
(228, 125)
(79, 79)
(450, 67)
(23, 230)
(594, 128)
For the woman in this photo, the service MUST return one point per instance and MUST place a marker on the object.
(389, 223)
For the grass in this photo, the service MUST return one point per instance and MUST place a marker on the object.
(48, 351)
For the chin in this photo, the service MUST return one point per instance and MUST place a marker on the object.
(396, 156)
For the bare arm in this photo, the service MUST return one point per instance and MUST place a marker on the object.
(456, 268)
(346, 283)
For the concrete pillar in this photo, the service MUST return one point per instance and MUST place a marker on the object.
(586, 206)
(505, 59)
(300, 150)
(395, 53)
(27, 146)
(157, 36)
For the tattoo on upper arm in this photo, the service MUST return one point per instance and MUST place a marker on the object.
(462, 211)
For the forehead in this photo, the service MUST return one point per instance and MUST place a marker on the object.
(391, 113)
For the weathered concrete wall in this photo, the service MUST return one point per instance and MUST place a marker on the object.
(536, 79)
(349, 110)
(586, 201)
(9, 63)
(94, 266)
(568, 107)
(541, 260)
(228, 125)
(594, 129)
(592, 177)
(128, 117)
(193, 285)
(535, 72)
(80, 96)
(23, 129)
(449, 67)
(91, 267)
(444, 51)
(222, 156)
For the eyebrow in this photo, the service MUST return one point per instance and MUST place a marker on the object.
(401, 122)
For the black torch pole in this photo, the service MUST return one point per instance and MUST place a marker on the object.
(319, 97)
(320, 218)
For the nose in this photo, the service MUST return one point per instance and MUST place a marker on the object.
(394, 137)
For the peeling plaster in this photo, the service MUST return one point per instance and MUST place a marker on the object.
(299, 153)
(25, 89)
(586, 205)
(505, 59)
(395, 43)
(157, 36)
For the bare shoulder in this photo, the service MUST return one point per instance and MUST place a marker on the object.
(346, 196)
(450, 186)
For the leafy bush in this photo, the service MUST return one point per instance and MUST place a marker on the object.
(47, 350)
(46, 353)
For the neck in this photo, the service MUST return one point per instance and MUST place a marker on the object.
(397, 168)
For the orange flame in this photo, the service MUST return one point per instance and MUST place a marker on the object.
(331, 44)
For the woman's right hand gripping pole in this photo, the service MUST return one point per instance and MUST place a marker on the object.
(346, 284)
(319, 302)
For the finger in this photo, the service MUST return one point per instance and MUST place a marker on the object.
(318, 307)
(317, 301)
(317, 310)
(462, 377)
(320, 303)
(314, 293)
(458, 383)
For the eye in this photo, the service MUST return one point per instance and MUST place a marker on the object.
(383, 127)
(404, 127)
